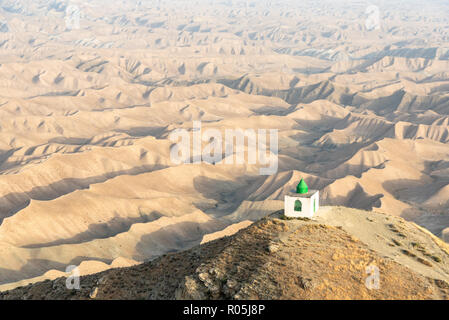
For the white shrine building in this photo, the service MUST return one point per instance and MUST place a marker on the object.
(303, 203)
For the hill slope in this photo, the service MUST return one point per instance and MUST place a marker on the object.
(275, 258)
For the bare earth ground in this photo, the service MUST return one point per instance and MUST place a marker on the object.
(277, 258)
(86, 113)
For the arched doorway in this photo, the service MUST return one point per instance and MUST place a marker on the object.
(298, 206)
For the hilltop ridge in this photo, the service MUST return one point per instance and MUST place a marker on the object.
(280, 258)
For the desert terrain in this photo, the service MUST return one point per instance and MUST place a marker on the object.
(281, 258)
(91, 92)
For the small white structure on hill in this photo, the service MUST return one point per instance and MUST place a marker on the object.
(302, 204)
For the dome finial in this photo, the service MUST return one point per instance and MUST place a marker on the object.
(302, 187)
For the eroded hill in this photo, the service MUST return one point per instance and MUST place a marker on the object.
(279, 258)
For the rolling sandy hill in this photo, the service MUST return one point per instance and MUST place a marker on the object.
(328, 257)
(87, 110)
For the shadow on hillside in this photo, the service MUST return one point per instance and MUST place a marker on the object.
(14, 202)
(356, 198)
(413, 191)
(228, 194)
(173, 238)
(37, 267)
(104, 230)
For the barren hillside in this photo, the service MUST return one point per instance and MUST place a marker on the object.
(279, 258)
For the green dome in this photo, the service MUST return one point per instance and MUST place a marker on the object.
(302, 187)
